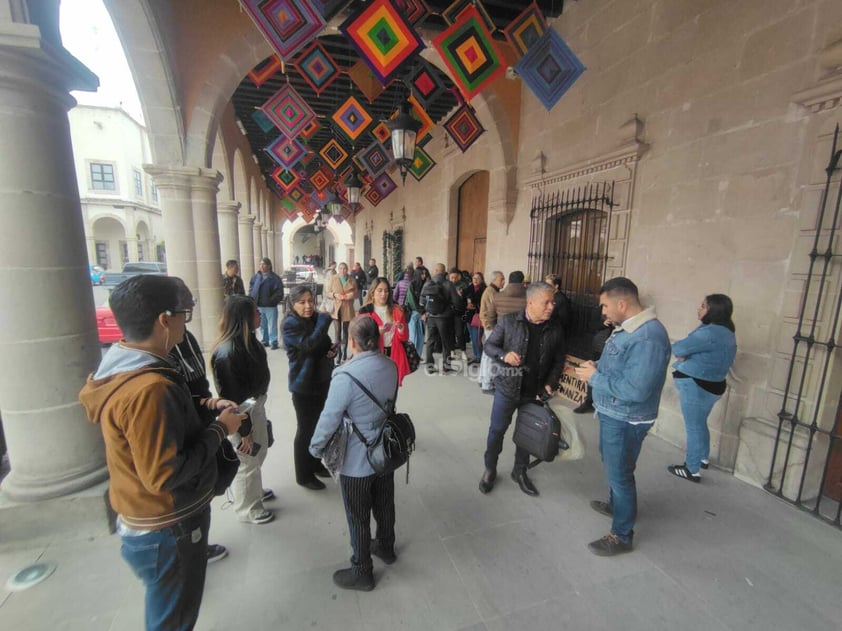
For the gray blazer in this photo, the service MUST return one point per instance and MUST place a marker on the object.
(345, 399)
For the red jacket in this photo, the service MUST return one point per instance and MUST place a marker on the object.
(401, 335)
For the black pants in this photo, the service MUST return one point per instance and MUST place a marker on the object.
(458, 333)
(307, 411)
(341, 334)
(364, 497)
(439, 328)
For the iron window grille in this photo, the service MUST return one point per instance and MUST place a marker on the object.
(568, 238)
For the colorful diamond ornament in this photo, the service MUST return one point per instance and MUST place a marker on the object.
(374, 158)
(288, 25)
(526, 28)
(288, 110)
(317, 67)
(549, 68)
(464, 127)
(383, 37)
(333, 154)
(352, 118)
(286, 151)
(421, 165)
(469, 52)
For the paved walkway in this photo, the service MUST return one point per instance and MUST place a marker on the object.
(720, 555)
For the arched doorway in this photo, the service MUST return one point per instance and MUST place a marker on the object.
(111, 245)
(472, 223)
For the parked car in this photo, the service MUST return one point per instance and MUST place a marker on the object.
(135, 268)
(106, 325)
(97, 274)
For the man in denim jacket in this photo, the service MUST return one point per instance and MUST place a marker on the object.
(627, 386)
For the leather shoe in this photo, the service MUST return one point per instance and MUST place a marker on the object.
(321, 472)
(523, 481)
(486, 482)
(313, 485)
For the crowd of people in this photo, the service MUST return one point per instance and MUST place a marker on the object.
(348, 357)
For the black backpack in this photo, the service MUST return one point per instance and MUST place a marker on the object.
(434, 295)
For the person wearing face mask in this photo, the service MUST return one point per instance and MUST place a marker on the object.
(241, 371)
(391, 321)
(310, 352)
(529, 348)
(365, 494)
(342, 288)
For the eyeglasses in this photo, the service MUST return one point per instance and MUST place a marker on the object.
(188, 313)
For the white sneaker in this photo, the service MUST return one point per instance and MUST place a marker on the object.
(260, 518)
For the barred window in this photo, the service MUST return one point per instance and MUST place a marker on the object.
(569, 239)
(102, 177)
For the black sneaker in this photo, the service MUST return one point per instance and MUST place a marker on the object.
(216, 553)
(275, 346)
(265, 343)
(604, 508)
(268, 494)
(610, 545)
(705, 464)
(351, 578)
(387, 555)
(681, 471)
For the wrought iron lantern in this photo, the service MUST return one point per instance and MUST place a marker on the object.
(404, 130)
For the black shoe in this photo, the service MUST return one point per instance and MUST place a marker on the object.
(610, 545)
(313, 485)
(681, 471)
(603, 508)
(486, 482)
(430, 369)
(351, 578)
(586, 407)
(489, 391)
(385, 554)
(523, 481)
(275, 346)
(265, 343)
(268, 494)
(321, 472)
(705, 464)
(216, 553)
(448, 370)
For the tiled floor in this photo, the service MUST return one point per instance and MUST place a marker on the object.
(720, 555)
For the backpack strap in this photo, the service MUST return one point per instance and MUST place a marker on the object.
(368, 393)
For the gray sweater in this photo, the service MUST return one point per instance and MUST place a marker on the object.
(345, 399)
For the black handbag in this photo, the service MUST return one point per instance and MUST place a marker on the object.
(412, 356)
(395, 442)
(538, 431)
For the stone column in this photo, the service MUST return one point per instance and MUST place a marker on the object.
(91, 243)
(264, 243)
(187, 198)
(48, 340)
(257, 236)
(229, 232)
(208, 289)
(246, 248)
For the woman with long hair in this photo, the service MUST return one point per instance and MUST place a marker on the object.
(365, 494)
(704, 358)
(473, 295)
(306, 335)
(241, 371)
(391, 323)
(342, 288)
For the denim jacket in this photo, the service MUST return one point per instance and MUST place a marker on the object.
(345, 399)
(707, 353)
(631, 372)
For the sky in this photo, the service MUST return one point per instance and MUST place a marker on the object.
(88, 33)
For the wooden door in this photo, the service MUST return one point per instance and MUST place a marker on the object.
(479, 257)
(833, 479)
(473, 222)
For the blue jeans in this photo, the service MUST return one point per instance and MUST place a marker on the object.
(501, 417)
(269, 324)
(171, 563)
(476, 343)
(416, 331)
(619, 447)
(696, 404)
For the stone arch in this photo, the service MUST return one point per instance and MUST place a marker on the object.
(147, 57)
(341, 233)
(219, 161)
(145, 246)
(110, 230)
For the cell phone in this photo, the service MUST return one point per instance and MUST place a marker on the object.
(246, 406)
(545, 396)
(255, 448)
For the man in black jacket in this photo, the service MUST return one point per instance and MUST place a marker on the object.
(267, 289)
(437, 303)
(528, 349)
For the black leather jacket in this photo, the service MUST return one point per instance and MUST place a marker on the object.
(512, 334)
(240, 373)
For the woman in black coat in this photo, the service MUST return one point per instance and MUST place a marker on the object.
(310, 353)
(241, 371)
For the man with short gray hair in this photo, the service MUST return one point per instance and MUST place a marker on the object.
(529, 348)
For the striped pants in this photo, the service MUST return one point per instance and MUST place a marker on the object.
(364, 497)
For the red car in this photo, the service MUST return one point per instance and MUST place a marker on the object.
(106, 325)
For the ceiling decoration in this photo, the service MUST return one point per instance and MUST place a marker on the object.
(549, 68)
(526, 28)
(469, 53)
(288, 25)
(319, 117)
(384, 39)
(464, 127)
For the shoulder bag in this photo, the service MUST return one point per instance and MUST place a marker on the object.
(394, 443)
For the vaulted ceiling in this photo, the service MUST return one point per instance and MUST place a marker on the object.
(251, 94)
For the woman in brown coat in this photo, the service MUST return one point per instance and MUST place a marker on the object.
(343, 289)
